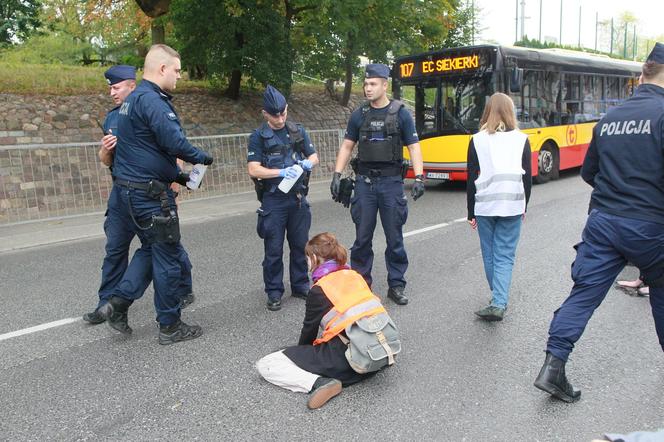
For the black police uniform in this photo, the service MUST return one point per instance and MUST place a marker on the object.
(380, 135)
(282, 215)
(144, 165)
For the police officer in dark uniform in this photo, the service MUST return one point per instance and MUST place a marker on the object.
(274, 149)
(380, 128)
(151, 139)
(122, 81)
(625, 167)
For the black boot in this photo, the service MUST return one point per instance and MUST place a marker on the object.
(552, 379)
(115, 311)
(170, 334)
(396, 294)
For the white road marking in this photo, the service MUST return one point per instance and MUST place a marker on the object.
(434, 227)
(38, 328)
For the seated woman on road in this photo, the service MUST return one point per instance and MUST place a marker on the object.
(498, 188)
(319, 366)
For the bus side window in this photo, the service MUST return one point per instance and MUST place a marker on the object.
(426, 114)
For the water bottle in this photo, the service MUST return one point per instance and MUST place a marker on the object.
(196, 176)
(287, 183)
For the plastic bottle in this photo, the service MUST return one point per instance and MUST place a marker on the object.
(287, 183)
(196, 176)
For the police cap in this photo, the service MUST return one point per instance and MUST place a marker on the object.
(657, 54)
(377, 70)
(120, 72)
(274, 102)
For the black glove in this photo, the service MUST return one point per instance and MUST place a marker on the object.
(346, 191)
(336, 184)
(182, 178)
(208, 159)
(418, 187)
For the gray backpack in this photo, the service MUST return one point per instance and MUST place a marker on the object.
(373, 342)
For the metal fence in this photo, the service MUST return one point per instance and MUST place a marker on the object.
(59, 180)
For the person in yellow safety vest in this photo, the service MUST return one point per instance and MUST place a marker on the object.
(339, 297)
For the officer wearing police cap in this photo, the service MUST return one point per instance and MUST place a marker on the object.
(275, 148)
(122, 81)
(625, 167)
(151, 139)
(380, 128)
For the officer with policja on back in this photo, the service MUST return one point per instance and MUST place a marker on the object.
(625, 167)
(280, 158)
(379, 128)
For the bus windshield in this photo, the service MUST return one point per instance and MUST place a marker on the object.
(449, 105)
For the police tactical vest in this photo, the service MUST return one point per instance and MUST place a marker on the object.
(276, 154)
(380, 135)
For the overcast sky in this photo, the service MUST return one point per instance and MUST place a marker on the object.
(498, 18)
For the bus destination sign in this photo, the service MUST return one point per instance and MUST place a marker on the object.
(437, 66)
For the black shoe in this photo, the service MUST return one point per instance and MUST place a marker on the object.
(93, 318)
(274, 304)
(552, 379)
(491, 313)
(115, 312)
(299, 295)
(323, 390)
(187, 300)
(396, 295)
(170, 334)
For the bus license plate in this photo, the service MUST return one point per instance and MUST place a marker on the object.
(438, 175)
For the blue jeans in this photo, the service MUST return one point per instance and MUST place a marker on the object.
(499, 236)
(608, 242)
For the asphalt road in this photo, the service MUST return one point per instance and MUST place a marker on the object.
(457, 378)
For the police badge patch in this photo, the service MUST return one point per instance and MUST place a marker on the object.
(172, 116)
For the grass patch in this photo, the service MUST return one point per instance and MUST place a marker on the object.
(51, 79)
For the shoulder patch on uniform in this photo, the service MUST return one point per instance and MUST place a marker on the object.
(172, 116)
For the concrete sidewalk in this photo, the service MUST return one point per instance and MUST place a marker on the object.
(55, 230)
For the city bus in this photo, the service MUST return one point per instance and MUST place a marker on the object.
(559, 95)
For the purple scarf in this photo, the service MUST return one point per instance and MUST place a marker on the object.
(326, 268)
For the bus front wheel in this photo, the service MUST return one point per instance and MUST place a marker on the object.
(547, 164)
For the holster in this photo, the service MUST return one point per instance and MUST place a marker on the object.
(355, 165)
(405, 165)
(259, 187)
(165, 228)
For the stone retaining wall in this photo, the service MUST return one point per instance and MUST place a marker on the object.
(55, 119)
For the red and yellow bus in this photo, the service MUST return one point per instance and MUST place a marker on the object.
(559, 96)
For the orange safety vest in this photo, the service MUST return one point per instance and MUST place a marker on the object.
(351, 300)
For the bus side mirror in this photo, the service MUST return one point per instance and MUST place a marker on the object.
(516, 79)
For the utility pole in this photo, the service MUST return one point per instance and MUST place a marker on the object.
(560, 35)
(634, 44)
(516, 19)
(523, 19)
(579, 44)
(540, 23)
(611, 50)
(625, 43)
(472, 14)
(596, 27)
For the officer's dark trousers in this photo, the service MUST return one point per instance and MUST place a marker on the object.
(608, 242)
(119, 234)
(382, 195)
(170, 265)
(284, 215)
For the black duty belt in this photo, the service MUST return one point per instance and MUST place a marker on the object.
(131, 184)
(376, 172)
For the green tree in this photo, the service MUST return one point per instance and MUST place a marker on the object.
(18, 20)
(339, 33)
(231, 39)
